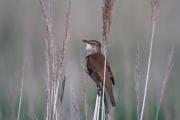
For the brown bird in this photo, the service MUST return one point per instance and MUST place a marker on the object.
(95, 67)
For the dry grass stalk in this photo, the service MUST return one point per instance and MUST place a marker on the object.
(137, 80)
(62, 89)
(169, 68)
(54, 69)
(154, 8)
(97, 108)
(65, 41)
(21, 91)
(63, 50)
(107, 13)
(50, 56)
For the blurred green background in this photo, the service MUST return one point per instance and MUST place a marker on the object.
(22, 37)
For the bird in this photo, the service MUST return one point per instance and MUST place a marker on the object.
(95, 68)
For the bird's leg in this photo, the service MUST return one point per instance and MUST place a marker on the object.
(100, 90)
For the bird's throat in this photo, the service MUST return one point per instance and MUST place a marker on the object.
(89, 52)
(89, 49)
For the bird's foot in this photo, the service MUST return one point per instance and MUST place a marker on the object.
(100, 89)
(100, 92)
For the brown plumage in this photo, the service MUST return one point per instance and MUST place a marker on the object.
(95, 66)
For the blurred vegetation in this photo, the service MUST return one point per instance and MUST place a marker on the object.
(22, 37)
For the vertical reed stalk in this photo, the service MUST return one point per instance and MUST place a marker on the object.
(54, 68)
(20, 98)
(137, 80)
(154, 7)
(169, 68)
(107, 13)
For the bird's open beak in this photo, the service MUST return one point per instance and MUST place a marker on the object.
(88, 45)
(85, 41)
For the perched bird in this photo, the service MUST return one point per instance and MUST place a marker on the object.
(95, 68)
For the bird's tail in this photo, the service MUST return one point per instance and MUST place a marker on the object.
(113, 102)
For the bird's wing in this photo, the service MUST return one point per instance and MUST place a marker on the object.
(101, 58)
(109, 69)
(92, 71)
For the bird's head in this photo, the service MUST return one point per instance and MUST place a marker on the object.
(92, 46)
